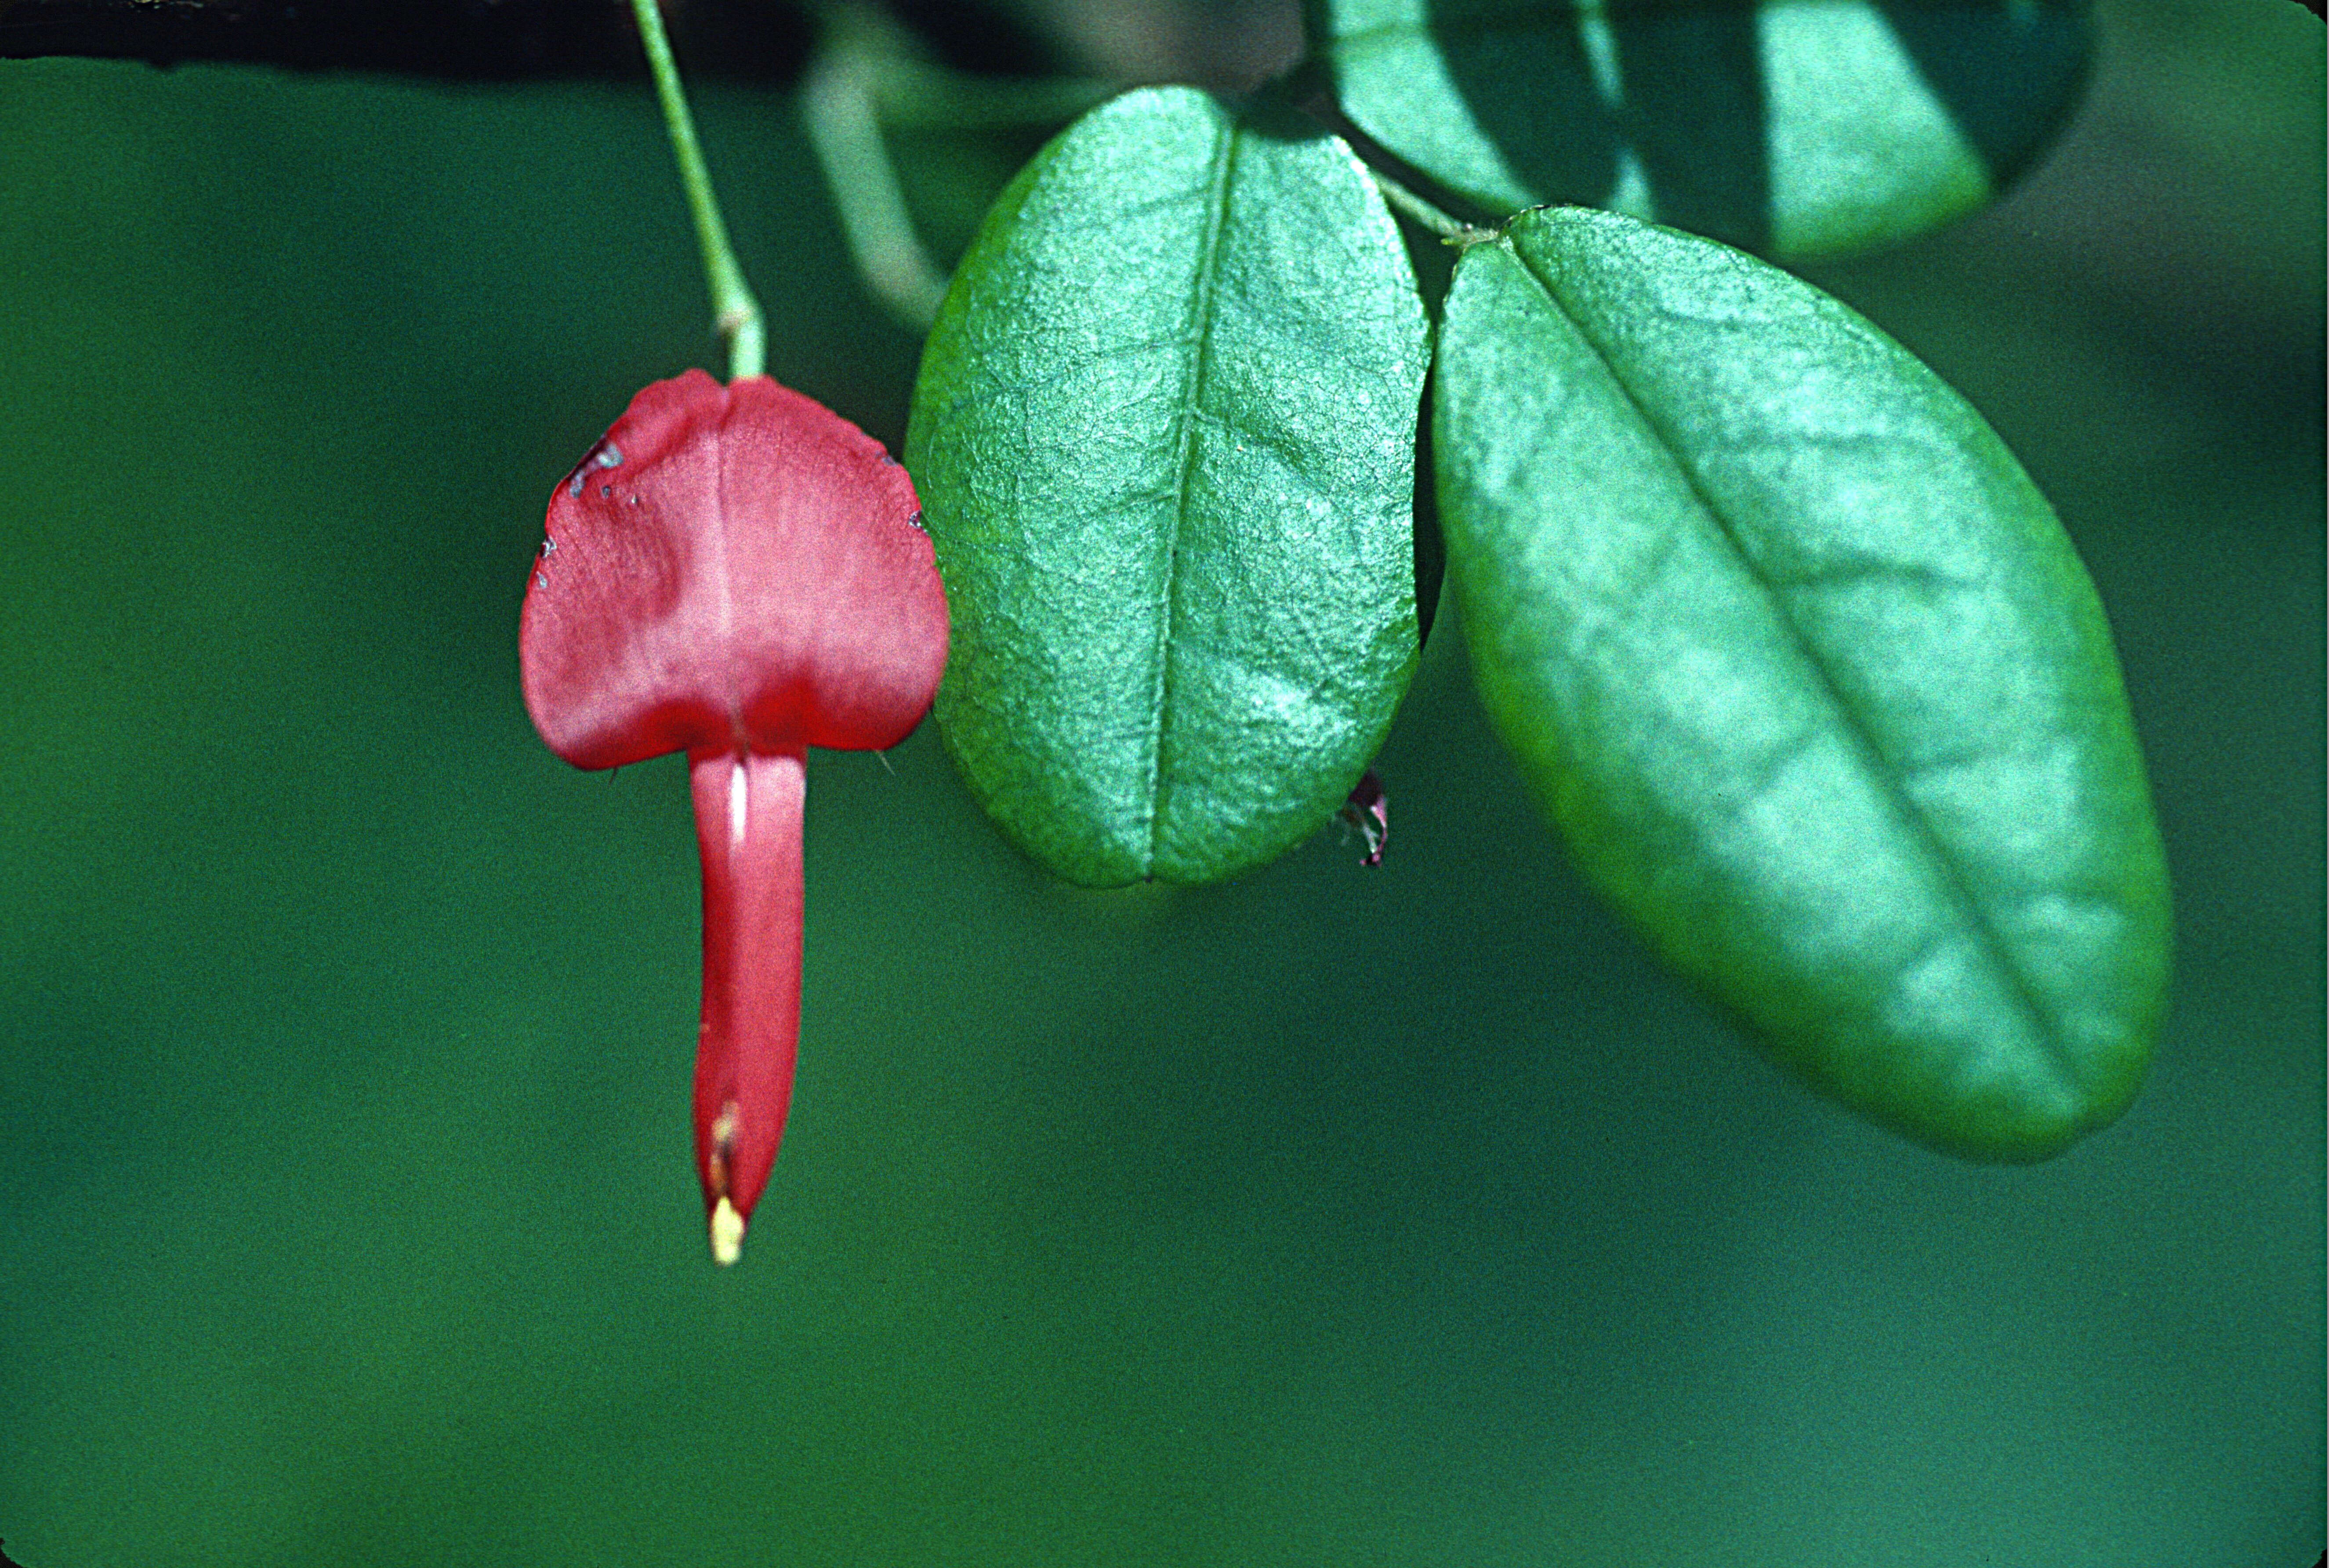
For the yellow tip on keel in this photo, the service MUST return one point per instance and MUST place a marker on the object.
(727, 1234)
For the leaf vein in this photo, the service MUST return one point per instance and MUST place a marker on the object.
(1886, 774)
(1192, 400)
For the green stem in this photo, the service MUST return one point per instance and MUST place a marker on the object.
(837, 108)
(1452, 230)
(735, 313)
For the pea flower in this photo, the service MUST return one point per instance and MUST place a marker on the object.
(739, 574)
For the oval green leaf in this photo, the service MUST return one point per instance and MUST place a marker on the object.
(1806, 671)
(1164, 436)
(1795, 128)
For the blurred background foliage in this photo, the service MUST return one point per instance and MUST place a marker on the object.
(1405, 1217)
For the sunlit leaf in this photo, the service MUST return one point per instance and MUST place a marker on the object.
(1165, 439)
(1807, 673)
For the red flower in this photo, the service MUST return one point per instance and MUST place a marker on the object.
(739, 574)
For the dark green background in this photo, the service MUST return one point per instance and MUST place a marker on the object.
(1398, 1217)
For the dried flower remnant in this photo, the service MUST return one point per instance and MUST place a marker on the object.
(1369, 810)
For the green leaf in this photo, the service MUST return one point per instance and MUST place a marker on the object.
(1797, 128)
(1806, 671)
(1164, 441)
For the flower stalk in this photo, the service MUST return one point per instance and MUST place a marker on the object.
(735, 312)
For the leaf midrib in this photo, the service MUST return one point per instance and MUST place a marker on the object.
(1881, 767)
(1200, 333)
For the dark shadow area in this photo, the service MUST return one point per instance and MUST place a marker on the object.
(1694, 112)
(1266, 114)
(1430, 543)
(1530, 87)
(2009, 82)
